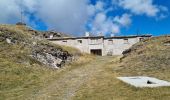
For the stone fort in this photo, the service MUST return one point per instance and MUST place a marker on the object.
(100, 45)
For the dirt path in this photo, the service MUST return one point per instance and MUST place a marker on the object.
(66, 86)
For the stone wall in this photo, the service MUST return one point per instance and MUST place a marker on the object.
(109, 46)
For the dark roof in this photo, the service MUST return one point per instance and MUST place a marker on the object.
(21, 23)
(74, 38)
(130, 36)
(97, 37)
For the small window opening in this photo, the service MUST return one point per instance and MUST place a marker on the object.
(110, 42)
(80, 41)
(141, 39)
(94, 41)
(126, 41)
(64, 41)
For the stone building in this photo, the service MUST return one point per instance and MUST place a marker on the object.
(100, 45)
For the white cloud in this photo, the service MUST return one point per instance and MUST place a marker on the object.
(93, 9)
(67, 16)
(99, 6)
(9, 11)
(30, 5)
(73, 16)
(140, 7)
(124, 20)
(63, 15)
(99, 22)
(103, 24)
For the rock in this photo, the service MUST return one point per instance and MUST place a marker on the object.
(55, 58)
(34, 43)
(46, 59)
(167, 44)
(126, 51)
(42, 51)
(8, 40)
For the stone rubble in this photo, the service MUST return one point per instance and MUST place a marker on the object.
(45, 53)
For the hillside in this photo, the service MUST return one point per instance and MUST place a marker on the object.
(28, 63)
(33, 68)
(34, 46)
(150, 57)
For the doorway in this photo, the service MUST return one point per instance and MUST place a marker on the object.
(96, 52)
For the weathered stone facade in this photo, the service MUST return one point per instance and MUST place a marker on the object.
(99, 44)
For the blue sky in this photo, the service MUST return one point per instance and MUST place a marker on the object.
(151, 25)
(142, 24)
(120, 17)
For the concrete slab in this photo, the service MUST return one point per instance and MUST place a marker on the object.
(142, 81)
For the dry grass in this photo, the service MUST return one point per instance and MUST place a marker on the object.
(94, 78)
(68, 83)
(105, 86)
(71, 50)
(20, 75)
(18, 80)
(148, 58)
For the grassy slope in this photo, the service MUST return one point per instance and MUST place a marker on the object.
(148, 58)
(19, 80)
(21, 75)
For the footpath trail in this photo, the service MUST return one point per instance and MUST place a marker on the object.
(65, 87)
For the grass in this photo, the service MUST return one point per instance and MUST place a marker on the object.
(148, 58)
(105, 86)
(17, 78)
(20, 75)
(20, 79)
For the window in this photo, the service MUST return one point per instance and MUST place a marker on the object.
(126, 41)
(64, 41)
(110, 42)
(141, 39)
(94, 41)
(79, 41)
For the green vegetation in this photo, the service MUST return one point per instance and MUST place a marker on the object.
(87, 78)
(20, 74)
(148, 58)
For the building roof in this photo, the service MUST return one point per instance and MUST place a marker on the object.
(130, 36)
(74, 38)
(98, 37)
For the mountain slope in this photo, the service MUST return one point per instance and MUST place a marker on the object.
(150, 57)
(28, 63)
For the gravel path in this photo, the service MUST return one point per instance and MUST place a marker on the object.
(66, 86)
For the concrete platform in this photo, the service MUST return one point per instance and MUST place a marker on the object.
(142, 81)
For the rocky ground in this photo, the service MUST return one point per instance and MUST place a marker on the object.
(28, 70)
(41, 50)
(28, 62)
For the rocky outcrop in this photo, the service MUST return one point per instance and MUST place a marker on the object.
(41, 50)
(51, 56)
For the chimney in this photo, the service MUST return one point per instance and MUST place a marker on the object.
(87, 34)
(100, 34)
